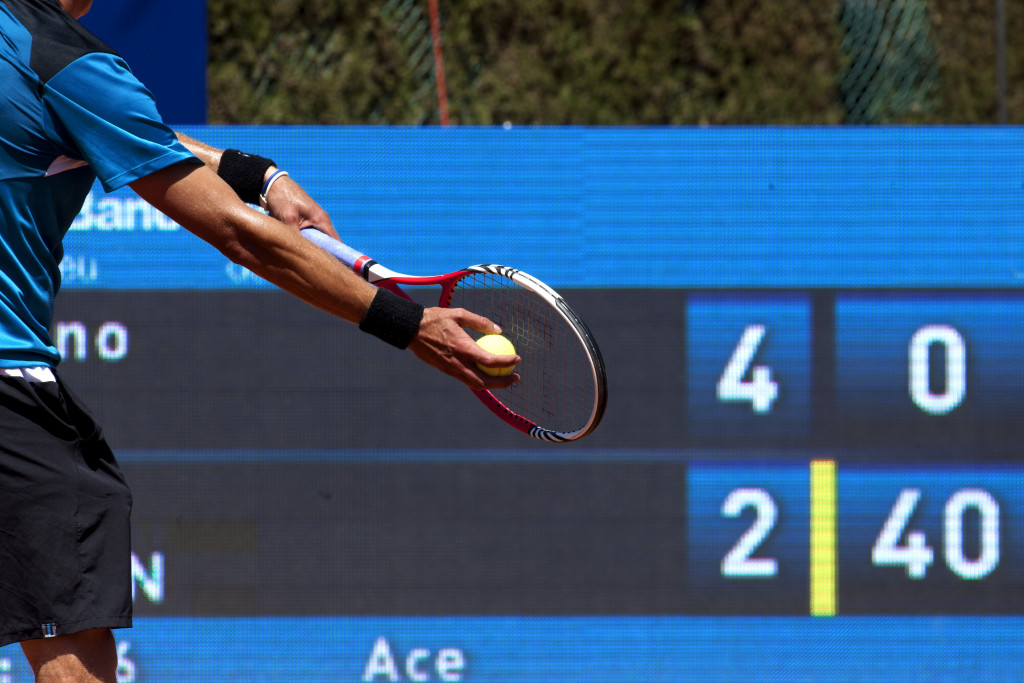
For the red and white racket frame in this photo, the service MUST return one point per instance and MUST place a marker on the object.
(376, 274)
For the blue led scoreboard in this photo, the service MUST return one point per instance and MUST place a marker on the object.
(810, 466)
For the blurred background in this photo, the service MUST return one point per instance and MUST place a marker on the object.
(588, 62)
(580, 62)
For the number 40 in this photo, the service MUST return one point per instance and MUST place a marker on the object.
(915, 555)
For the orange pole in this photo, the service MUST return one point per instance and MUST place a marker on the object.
(442, 88)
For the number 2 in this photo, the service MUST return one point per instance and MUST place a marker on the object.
(739, 562)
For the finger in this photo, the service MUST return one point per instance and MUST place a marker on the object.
(290, 204)
(321, 223)
(491, 360)
(466, 370)
(476, 322)
(491, 383)
(481, 356)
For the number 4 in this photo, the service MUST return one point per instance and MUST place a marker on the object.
(760, 390)
(916, 556)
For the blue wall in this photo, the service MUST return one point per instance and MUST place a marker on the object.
(165, 45)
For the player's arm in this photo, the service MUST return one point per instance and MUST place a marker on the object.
(286, 200)
(199, 200)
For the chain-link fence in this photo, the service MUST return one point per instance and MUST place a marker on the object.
(891, 66)
(411, 25)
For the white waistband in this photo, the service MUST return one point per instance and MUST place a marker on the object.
(39, 373)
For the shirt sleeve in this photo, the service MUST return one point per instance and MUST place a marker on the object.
(112, 118)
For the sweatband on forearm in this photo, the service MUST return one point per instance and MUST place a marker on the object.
(244, 173)
(392, 319)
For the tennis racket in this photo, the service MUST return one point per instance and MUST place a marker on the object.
(562, 391)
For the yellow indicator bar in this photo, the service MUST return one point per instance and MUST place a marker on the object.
(823, 538)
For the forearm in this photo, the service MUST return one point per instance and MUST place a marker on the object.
(207, 153)
(282, 257)
(198, 200)
(204, 204)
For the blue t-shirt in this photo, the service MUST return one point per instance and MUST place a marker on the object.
(72, 112)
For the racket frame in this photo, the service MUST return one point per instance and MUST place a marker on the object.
(381, 276)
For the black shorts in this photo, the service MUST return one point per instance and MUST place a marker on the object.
(65, 539)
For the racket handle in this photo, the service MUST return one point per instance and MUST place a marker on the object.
(359, 262)
(338, 250)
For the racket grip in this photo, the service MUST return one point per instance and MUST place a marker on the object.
(338, 250)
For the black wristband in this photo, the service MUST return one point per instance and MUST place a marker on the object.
(392, 318)
(244, 173)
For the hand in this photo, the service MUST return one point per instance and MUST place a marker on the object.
(443, 343)
(289, 203)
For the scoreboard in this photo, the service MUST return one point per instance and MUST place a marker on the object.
(809, 468)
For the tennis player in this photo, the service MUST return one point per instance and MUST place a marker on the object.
(72, 113)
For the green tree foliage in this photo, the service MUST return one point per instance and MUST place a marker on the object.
(634, 62)
(965, 31)
(576, 62)
(289, 61)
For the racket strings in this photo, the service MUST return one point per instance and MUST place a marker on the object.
(556, 389)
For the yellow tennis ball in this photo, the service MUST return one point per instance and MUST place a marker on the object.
(499, 346)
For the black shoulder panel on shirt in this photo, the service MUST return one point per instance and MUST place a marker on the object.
(57, 37)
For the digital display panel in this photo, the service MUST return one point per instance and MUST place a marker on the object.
(809, 467)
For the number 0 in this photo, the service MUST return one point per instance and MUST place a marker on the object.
(988, 512)
(956, 369)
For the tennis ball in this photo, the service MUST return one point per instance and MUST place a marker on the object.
(499, 346)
